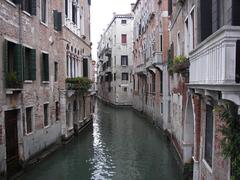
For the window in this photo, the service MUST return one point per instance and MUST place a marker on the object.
(125, 76)
(124, 60)
(57, 111)
(115, 61)
(206, 18)
(237, 76)
(74, 14)
(186, 38)
(45, 107)
(29, 118)
(209, 135)
(13, 65)
(45, 67)
(153, 83)
(29, 63)
(124, 39)
(29, 6)
(55, 71)
(85, 67)
(235, 12)
(57, 16)
(43, 11)
(178, 44)
(66, 8)
(161, 43)
(161, 82)
(125, 89)
(124, 21)
(114, 76)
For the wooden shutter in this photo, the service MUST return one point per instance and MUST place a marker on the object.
(5, 59)
(42, 67)
(25, 64)
(18, 62)
(33, 64)
(46, 67)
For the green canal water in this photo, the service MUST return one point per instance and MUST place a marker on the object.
(119, 145)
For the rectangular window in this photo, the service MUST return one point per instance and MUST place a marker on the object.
(123, 21)
(161, 43)
(13, 65)
(57, 17)
(29, 118)
(153, 83)
(125, 76)
(26, 5)
(124, 39)
(206, 18)
(74, 14)
(124, 60)
(209, 135)
(45, 67)
(114, 76)
(237, 76)
(125, 89)
(46, 123)
(85, 67)
(66, 8)
(43, 11)
(161, 82)
(55, 71)
(29, 63)
(57, 109)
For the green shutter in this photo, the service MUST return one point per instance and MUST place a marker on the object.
(33, 64)
(18, 64)
(47, 68)
(42, 67)
(55, 19)
(34, 8)
(5, 59)
(25, 65)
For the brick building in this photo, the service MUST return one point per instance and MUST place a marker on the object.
(36, 42)
(150, 45)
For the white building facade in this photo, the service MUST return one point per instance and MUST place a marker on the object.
(115, 61)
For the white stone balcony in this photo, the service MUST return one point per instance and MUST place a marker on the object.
(140, 69)
(213, 62)
(157, 58)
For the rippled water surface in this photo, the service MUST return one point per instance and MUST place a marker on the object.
(120, 145)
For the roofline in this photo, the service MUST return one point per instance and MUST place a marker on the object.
(135, 6)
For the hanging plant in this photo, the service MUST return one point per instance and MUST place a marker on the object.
(231, 136)
(79, 84)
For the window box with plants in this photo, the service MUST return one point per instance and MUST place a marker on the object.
(79, 84)
(180, 64)
(12, 81)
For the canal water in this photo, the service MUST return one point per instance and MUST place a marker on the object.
(120, 145)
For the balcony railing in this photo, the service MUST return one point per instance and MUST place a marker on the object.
(157, 58)
(214, 61)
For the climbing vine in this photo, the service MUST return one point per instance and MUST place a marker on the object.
(231, 136)
(80, 84)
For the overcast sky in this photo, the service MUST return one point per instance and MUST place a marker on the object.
(102, 14)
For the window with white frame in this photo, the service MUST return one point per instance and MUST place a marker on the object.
(44, 11)
(178, 44)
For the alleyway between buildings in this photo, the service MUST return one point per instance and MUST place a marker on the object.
(120, 145)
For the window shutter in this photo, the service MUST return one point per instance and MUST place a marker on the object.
(59, 21)
(46, 68)
(25, 65)
(34, 8)
(33, 64)
(18, 62)
(42, 67)
(5, 58)
(55, 19)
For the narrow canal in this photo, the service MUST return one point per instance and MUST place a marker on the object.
(121, 145)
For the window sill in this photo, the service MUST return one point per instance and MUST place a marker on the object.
(207, 166)
(29, 134)
(28, 82)
(46, 127)
(124, 65)
(27, 13)
(45, 82)
(11, 3)
(43, 23)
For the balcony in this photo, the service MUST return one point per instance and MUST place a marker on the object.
(140, 69)
(214, 61)
(157, 58)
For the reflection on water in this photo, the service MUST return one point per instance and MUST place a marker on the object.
(120, 145)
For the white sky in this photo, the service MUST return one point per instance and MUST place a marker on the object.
(101, 16)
